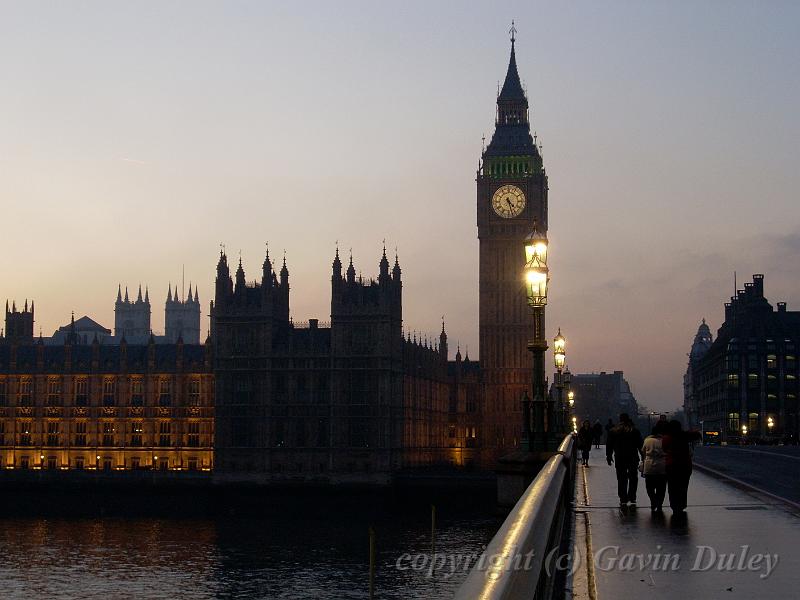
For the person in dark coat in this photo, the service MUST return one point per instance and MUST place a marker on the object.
(677, 445)
(597, 430)
(609, 427)
(623, 448)
(585, 437)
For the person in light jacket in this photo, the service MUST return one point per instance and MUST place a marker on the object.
(654, 467)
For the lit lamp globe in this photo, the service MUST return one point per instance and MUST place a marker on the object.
(559, 351)
(571, 398)
(744, 429)
(536, 272)
(770, 423)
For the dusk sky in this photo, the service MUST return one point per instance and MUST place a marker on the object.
(137, 137)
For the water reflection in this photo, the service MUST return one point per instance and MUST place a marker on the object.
(284, 553)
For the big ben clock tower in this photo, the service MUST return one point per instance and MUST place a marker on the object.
(512, 194)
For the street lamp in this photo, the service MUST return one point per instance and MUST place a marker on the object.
(770, 424)
(559, 350)
(571, 398)
(560, 359)
(536, 278)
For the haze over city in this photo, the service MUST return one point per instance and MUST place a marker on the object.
(136, 139)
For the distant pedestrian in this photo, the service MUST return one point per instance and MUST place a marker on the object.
(678, 454)
(609, 427)
(623, 448)
(597, 433)
(654, 467)
(585, 436)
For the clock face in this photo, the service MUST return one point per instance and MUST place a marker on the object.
(508, 201)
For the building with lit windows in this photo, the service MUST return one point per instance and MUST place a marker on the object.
(110, 407)
(745, 384)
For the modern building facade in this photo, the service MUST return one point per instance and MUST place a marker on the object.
(745, 385)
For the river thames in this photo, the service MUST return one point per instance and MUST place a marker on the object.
(289, 550)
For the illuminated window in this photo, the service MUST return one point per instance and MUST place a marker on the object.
(136, 433)
(25, 392)
(164, 392)
(733, 421)
(752, 380)
(52, 433)
(752, 421)
(54, 391)
(109, 392)
(164, 438)
(194, 391)
(80, 433)
(772, 361)
(193, 439)
(81, 392)
(108, 433)
(137, 391)
(25, 433)
(733, 380)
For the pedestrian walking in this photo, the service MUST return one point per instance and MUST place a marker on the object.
(597, 431)
(585, 438)
(678, 459)
(623, 448)
(654, 467)
(609, 426)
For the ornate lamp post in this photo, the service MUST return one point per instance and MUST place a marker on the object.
(567, 406)
(770, 425)
(537, 276)
(560, 359)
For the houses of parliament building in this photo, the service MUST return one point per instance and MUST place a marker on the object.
(264, 398)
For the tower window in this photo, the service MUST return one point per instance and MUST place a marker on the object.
(194, 392)
(25, 392)
(54, 392)
(109, 392)
(164, 392)
(80, 433)
(137, 392)
(81, 392)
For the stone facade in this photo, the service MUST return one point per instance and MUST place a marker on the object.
(354, 400)
(505, 321)
(748, 376)
(123, 407)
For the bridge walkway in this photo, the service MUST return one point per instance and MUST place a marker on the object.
(731, 544)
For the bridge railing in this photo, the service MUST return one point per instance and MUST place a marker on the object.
(513, 564)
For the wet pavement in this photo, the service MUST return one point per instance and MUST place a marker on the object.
(775, 469)
(731, 544)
